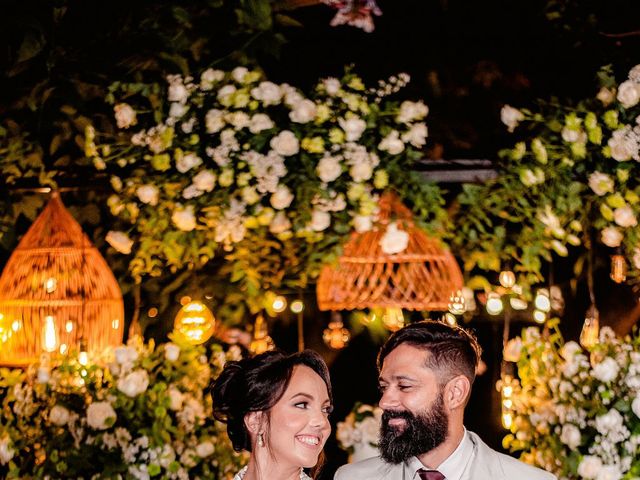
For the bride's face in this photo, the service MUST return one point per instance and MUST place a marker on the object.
(299, 422)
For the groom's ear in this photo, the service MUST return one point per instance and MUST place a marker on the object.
(456, 392)
(253, 421)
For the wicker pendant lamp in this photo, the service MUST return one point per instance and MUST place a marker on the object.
(57, 293)
(422, 276)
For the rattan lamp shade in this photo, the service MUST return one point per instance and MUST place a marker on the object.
(56, 283)
(422, 277)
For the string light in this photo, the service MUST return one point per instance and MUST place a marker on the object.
(393, 319)
(279, 304)
(618, 268)
(591, 328)
(336, 335)
(297, 306)
(539, 317)
(261, 342)
(507, 278)
(457, 303)
(49, 335)
(195, 323)
(50, 285)
(450, 319)
(518, 303)
(494, 304)
(542, 301)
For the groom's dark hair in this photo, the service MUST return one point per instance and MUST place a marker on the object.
(452, 350)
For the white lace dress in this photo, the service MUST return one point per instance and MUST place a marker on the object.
(242, 473)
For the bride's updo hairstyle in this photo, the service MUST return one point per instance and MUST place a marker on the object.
(257, 384)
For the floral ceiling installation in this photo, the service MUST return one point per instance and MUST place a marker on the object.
(234, 164)
(577, 412)
(570, 180)
(147, 414)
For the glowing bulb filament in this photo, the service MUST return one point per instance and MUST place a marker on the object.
(50, 336)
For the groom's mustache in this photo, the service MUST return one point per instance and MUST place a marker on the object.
(390, 414)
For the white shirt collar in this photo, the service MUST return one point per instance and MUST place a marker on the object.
(454, 465)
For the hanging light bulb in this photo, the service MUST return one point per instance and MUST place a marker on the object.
(83, 356)
(507, 278)
(261, 341)
(591, 328)
(450, 319)
(279, 304)
(456, 303)
(195, 323)
(494, 304)
(336, 335)
(49, 335)
(539, 316)
(542, 301)
(393, 319)
(505, 385)
(618, 268)
(50, 285)
(297, 306)
(518, 303)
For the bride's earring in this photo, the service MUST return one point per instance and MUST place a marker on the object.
(260, 440)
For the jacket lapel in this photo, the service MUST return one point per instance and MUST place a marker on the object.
(483, 464)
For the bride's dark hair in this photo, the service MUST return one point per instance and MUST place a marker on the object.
(257, 384)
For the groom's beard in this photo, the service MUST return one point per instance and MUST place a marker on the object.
(420, 434)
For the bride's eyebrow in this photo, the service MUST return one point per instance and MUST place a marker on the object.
(302, 394)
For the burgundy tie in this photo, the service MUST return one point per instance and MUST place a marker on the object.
(430, 475)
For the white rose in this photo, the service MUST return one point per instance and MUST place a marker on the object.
(279, 224)
(178, 92)
(370, 429)
(607, 370)
(589, 467)
(205, 449)
(6, 452)
(239, 120)
(239, 73)
(188, 161)
(512, 350)
(268, 93)
(394, 240)
(625, 217)
(177, 110)
(392, 143)
(329, 168)
(410, 111)
(59, 415)
(417, 135)
(601, 183)
(628, 94)
(205, 180)
(134, 383)
(125, 355)
(303, 112)
(291, 95)
(176, 398)
(184, 218)
(571, 436)
(362, 223)
(570, 349)
(99, 415)
(345, 434)
(606, 96)
(611, 421)
(260, 122)
(214, 120)
(611, 237)
(609, 472)
(171, 352)
(285, 143)
(125, 115)
(320, 220)
(635, 406)
(281, 198)
(623, 145)
(209, 77)
(634, 74)
(148, 194)
(353, 128)
(361, 171)
(119, 241)
(225, 92)
(511, 117)
(331, 85)
(571, 135)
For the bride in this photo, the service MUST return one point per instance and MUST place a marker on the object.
(276, 407)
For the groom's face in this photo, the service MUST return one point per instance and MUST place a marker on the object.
(415, 420)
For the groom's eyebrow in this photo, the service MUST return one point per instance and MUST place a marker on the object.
(396, 377)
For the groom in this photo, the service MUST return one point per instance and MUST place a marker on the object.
(426, 372)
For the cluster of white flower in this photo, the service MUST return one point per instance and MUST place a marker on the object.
(577, 412)
(233, 147)
(361, 426)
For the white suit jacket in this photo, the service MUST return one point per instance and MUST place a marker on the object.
(486, 464)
